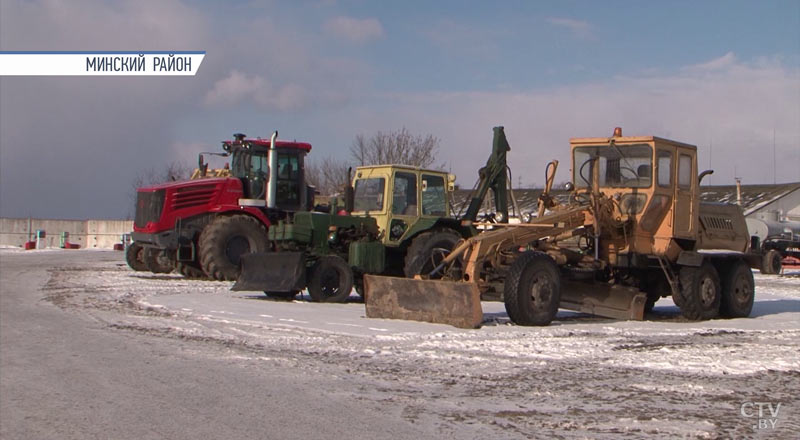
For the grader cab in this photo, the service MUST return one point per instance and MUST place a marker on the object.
(632, 232)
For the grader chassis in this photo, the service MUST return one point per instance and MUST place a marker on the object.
(634, 231)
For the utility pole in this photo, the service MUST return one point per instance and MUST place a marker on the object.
(774, 175)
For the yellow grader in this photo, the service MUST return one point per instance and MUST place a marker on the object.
(634, 230)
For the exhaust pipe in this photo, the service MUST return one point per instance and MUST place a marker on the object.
(272, 184)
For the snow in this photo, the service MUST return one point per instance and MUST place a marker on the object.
(768, 340)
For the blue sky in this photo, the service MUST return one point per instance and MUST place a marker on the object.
(724, 73)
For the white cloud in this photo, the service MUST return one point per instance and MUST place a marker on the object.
(579, 28)
(240, 87)
(354, 29)
(726, 61)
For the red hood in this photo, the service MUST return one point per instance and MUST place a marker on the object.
(186, 183)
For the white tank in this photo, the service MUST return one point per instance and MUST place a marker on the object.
(764, 229)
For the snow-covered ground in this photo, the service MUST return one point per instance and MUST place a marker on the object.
(664, 376)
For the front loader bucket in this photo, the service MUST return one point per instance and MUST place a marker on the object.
(272, 272)
(444, 302)
(610, 301)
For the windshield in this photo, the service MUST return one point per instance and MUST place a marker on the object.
(627, 166)
(246, 164)
(369, 194)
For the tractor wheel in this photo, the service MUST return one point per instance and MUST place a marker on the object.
(771, 263)
(190, 270)
(738, 290)
(223, 242)
(700, 292)
(331, 280)
(134, 256)
(532, 289)
(427, 250)
(158, 260)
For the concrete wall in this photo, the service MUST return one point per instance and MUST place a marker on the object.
(101, 234)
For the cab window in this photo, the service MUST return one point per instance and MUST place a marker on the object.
(404, 195)
(664, 169)
(288, 185)
(685, 171)
(434, 201)
(368, 194)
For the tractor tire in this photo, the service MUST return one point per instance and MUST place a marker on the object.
(331, 280)
(427, 250)
(532, 289)
(771, 262)
(190, 270)
(134, 256)
(224, 241)
(158, 260)
(738, 290)
(700, 292)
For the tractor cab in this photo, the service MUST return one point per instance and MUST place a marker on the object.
(251, 162)
(401, 198)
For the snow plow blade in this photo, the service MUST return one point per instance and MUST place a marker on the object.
(609, 301)
(272, 272)
(442, 302)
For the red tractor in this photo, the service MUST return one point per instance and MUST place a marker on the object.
(202, 227)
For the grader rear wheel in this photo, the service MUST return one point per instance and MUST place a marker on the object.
(532, 290)
(738, 291)
(700, 292)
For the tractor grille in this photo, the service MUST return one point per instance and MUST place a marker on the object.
(190, 196)
(148, 207)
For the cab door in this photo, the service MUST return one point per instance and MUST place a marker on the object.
(404, 205)
(685, 208)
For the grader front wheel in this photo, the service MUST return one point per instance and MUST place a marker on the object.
(532, 290)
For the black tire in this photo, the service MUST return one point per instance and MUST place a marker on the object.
(532, 289)
(158, 260)
(738, 290)
(427, 250)
(224, 241)
(190, 270)
(771, 262)
(134, 256)
(331, 280)
(700, 292)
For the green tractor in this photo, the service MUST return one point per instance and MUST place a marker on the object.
(398, 220)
